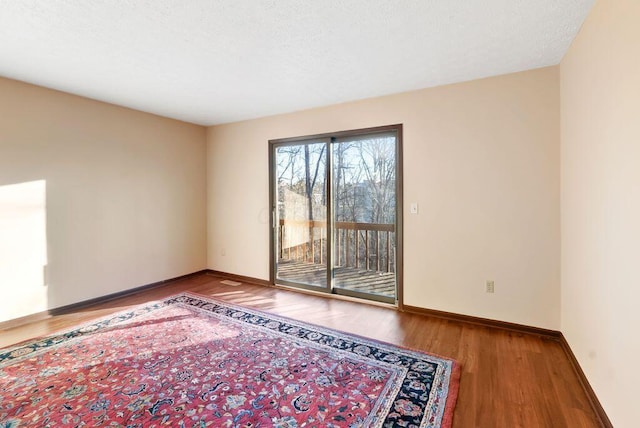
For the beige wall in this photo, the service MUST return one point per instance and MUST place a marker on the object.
(482, 160)
(124, 197)
(600, 91)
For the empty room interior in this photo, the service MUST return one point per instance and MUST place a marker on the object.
(456, 178)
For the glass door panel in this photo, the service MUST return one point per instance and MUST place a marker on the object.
(364, 216)
(300, 213)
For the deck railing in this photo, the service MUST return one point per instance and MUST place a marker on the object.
(366, 246)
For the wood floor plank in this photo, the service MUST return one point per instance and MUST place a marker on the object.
(508, 379)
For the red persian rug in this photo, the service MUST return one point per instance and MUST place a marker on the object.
(191, 361)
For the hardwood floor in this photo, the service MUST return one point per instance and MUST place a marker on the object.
(508, 379)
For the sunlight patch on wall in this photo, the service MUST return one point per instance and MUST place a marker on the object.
(23, 249)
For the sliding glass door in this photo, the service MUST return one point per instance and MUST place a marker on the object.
(364, 214)
(336, 203)
(300, 213)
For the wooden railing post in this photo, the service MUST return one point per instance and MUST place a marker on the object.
(388, 252)
(346, 247)
(366, 249)
(357, 233)
(377, 251)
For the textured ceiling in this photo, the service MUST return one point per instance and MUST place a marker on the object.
(211, 62)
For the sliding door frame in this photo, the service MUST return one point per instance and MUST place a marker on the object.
(273, 145)
(330, 138)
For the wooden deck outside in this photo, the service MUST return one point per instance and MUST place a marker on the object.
(349, 278)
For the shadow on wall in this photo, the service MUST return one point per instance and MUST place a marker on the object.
(23, 249)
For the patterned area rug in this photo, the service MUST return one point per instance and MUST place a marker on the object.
(191, 361)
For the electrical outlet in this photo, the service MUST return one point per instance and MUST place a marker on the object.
(490, 287)
(223, 252)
